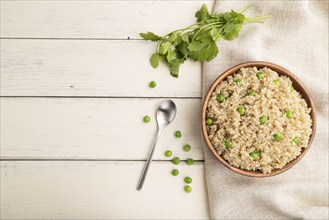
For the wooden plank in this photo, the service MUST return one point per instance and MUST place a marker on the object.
(94, 19)
(90, 68)
(105, 129)
(100, 190)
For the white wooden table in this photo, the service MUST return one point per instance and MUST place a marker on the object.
(74, 90)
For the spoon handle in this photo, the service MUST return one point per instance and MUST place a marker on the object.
(148, 162)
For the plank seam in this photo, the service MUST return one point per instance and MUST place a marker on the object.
(96, 160)
(71, 38)
(106, 97)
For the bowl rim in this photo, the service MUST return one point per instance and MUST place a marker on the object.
(282, 71)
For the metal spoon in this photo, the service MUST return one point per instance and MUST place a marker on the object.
(165, 115)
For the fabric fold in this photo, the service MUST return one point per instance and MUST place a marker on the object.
(295, 37)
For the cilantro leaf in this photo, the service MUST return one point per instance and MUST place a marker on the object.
(203, 50)
(196, 46)
(236, 17)
(164, 47)
(173, 36)
(155, 59)
(183, 48)
(171, 55)
(185, 38)
(231, 31)
(174, 67)
(215, 33)
(202, 14)
(217, 15)
(150, 36)
(178, 40)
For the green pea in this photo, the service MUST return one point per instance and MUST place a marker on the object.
(254, 155)
(178, 134)
(190, 161)
(260, 75)
(228, 144)
(188, 189)
(153, 84)
(168, 153)
(209, 121)
(263, 119)
(251, 92)
(188, 180)
(187, 148)
(147, 119)
(176, 160)
(175, 172)
(239, 82)
(241, 110)
(278, 136)
(289, 114)
(221, 97)
(277, 82)
(296, 140)
(292, 89)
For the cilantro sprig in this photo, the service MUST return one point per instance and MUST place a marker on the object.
(198, 41)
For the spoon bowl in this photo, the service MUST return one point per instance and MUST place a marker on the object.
(166, 113)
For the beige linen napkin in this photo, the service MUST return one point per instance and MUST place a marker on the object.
(296, 37)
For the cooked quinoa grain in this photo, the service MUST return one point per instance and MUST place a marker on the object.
(254, 142)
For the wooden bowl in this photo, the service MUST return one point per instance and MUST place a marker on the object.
(298, 85)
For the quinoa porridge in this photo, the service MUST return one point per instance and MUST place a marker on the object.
(256, 120)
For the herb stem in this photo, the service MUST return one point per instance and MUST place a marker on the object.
(246, 9)
(262, 17)
(183, 29)
(256, 19)
(259, 19)
(200, 29)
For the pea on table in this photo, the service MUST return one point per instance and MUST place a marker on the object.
(187, 148)
(178, 134)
